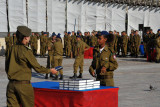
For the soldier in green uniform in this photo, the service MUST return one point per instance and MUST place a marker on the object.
(158, 49)
(132, 46)
(157, 35)
(68, 45)
(124, 41)
(50, 62)
(73, 43)
(80, 34)
(9, 42)
(115, 40)
(93, 40)
(43, 41)
(81, 47)
(104, 62)
(58, 55)
(19, 62)
(118, 43)
(32, 42)
(85, 37)
(65, 41)
(145, 41)
(137, 42)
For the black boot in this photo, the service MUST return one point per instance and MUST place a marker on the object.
(51, 75)
(80, 75)
(56, 77)
(74, 76)
(61, 78)
(46, 77)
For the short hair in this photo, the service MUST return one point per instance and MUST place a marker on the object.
(20, 37)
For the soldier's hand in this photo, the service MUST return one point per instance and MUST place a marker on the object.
(53, 71)
(103, 70)
(93, 74)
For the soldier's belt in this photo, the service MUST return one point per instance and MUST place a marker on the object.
(104, 76)
(20, 82)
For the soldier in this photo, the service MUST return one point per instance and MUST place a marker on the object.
(32, 43)
(68, 45)
(80, 34)
(118, 43)
(19, 62)
(158, 49)
(151, 34)
(43, 41)
(115, 40)
(73, 43)
(93, 40)
(65, 41)
(158, 32)
(9, 42)
(124, 40)
(85, 37)
(132, 46)
(137, 42)
(58, 55)
(145, 41)
(104, 62)
(50, 62)
(81, 47)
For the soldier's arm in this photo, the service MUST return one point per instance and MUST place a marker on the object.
(86, 47)
(34, 63)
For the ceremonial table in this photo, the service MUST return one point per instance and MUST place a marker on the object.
(48, 94)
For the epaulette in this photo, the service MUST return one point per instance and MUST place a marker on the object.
(28, 47)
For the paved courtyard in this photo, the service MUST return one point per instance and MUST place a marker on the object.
(133, 77)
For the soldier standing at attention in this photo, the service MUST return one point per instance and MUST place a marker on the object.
(44, 41)
(9, 42)
(81, 47)
(137, 42)
(32, 42)
(104, 61)
(115, 40)
(73, 43)
(124, 39)
(158, 49)
(93, 40)
(132, 46)
(118, 43)
(50, 63)
(145, 41)
(19, 62)
(68, 45)
(65, 41)
(58, 55)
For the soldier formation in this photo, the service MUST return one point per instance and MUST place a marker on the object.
(75, 44)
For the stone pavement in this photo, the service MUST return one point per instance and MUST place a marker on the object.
(133, 77)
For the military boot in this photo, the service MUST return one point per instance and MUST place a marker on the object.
(56, 77)
(80, 75)
(61, 78)
(74, 76)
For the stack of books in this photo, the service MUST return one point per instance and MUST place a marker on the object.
(78, 84)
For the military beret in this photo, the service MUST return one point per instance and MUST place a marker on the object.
(69, 32)
(104, 33)
(53, 34)
(78, 36)
(24, 30)
(158, 30)
(58, 36)
(45, 33)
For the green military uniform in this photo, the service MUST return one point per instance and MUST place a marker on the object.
(158, 50)
(58, 55)
(68, 46)
(137, 42)
(73, 43)
(145, 40)
(115, 43)
(19, 62)
(93, 41)
(43, 42)
(132, 46)
(118, 44)
(80, 56)
(65, 43)
(14, 39)
(9, 43)
(107, 60)
(124, 41)
(33, 42)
